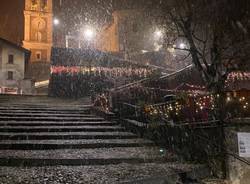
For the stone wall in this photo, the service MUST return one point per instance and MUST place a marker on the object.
(238, 171)
(201, 143)
(28, 87)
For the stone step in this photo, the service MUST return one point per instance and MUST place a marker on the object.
(76, 157)
(28, 114)
(53, 123)
(104, 174)
(66, 135)
(26, 162)
(52, 104)
(62, 129)
(46, 109)
(72, 144)
(61, 119)
(43, 112)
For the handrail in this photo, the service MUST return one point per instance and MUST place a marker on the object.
(146, 79)
(130, 84)
(163, 103)
(131, 105)
(245, 161)
(159, 89)
(174, 73)
(225, 150)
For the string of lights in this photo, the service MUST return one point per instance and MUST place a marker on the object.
(107, 71)
(199, 105)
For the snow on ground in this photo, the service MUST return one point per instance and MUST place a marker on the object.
(109, 174)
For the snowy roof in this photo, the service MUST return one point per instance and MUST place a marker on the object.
(2, 40)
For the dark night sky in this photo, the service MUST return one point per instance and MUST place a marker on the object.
(72, 14)
(11, 20)
(75, 12)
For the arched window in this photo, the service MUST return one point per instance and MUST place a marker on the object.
(34, 4)
(38, 36)
(44, 4)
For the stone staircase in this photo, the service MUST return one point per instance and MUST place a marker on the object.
(45, 140)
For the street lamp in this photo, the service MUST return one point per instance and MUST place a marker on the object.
(158, 33)
(56, 21)
(182, 45)
(89, 34)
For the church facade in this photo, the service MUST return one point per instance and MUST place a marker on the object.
(38, 36)
(38, 29)
(29, 23)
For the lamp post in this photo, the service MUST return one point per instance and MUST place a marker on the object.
(158, 39)
(89, 34)
(56, 31)
(158, 34)
(182, 46)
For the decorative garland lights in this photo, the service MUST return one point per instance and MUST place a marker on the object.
(106, 71)
(238, 76)
(195, 108)
(164, 109)
(192, 102)
(238, 80)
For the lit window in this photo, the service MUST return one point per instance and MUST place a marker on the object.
(43, 4)
(11, 59)
(38, 36)
(34, 5)
(10, 75)
(38, 56)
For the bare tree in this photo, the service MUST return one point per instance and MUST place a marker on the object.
(218, 41)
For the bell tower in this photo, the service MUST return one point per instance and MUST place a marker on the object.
(38, 29)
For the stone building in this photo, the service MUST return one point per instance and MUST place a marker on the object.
(28, 23)
(137, 35)
(13, 66)
(130, 32)
(38, 29)
(38, 36)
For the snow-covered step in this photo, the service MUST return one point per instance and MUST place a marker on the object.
(97, 156)
(72, 144)
(44, 112)
(43, 105)
(105, 174)
(55, 109)
(66, 135)
(59, 123)
(29, 114)
(62, 129)
(62, 119)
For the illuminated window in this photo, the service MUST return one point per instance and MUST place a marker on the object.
(34, 5)
(44, 4)
(38, 36)
(38, 56)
